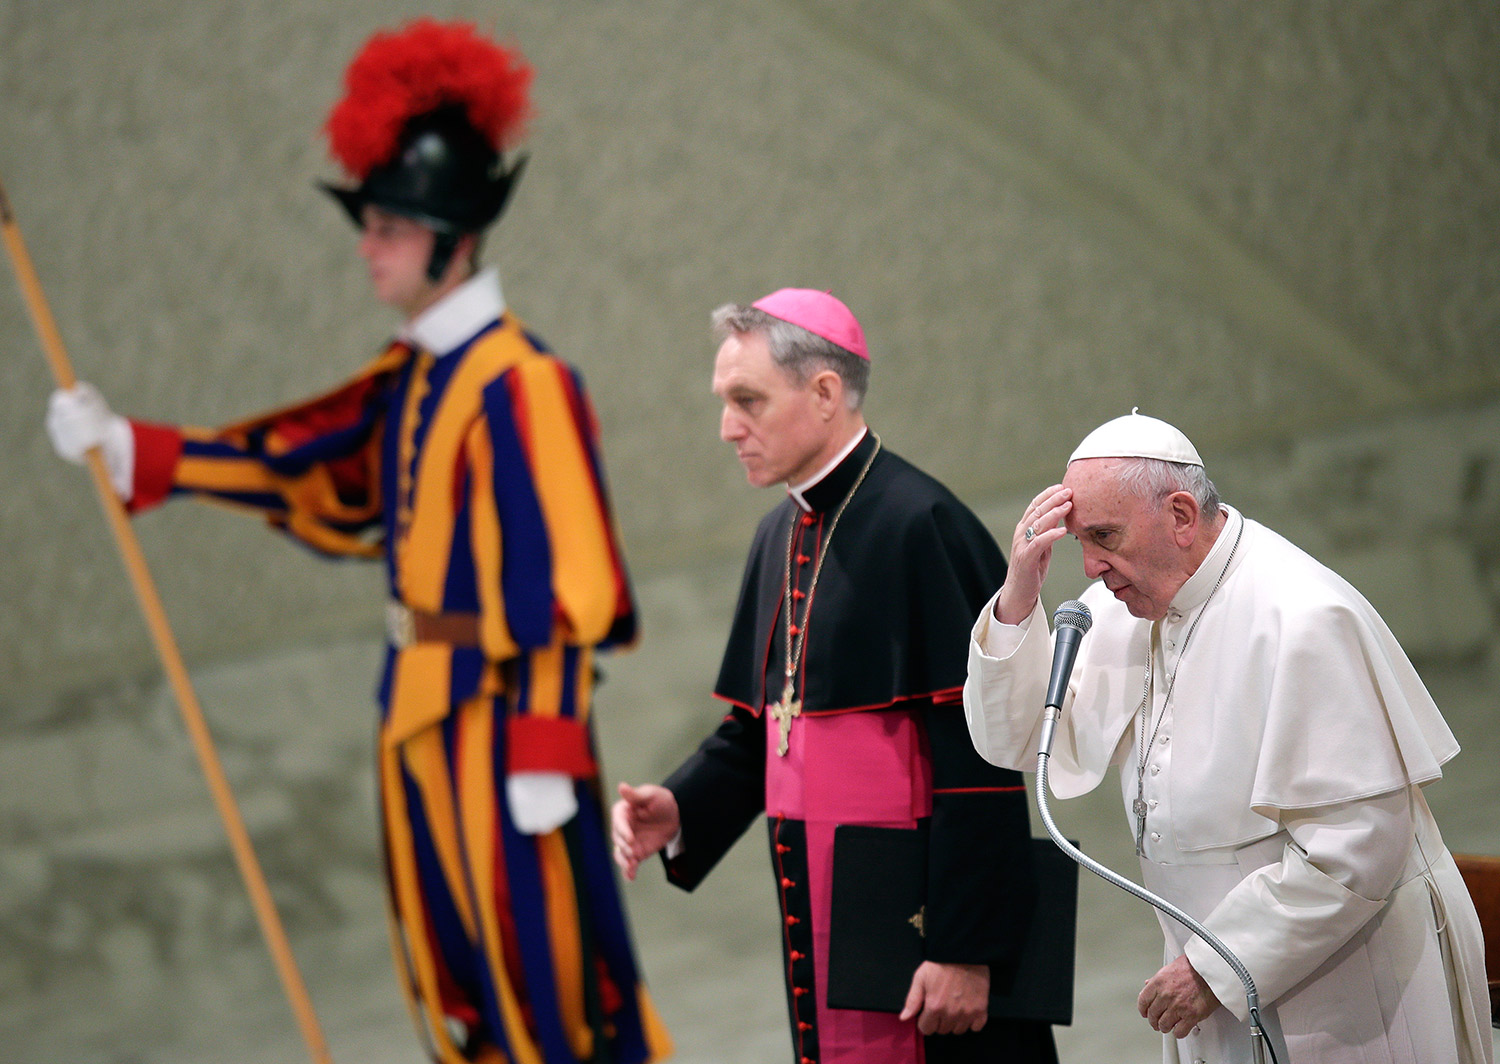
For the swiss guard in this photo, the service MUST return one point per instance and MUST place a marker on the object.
(466, 457)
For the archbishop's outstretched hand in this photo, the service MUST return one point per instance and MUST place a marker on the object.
(1031, 554)
(645, 819)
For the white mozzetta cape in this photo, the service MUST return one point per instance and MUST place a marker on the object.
(1301, 734)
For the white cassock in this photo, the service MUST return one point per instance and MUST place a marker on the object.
(1282, 796)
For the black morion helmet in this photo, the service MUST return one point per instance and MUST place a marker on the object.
(426, 111)
(444, 175)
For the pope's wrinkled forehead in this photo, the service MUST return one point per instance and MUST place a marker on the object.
(1101, 497)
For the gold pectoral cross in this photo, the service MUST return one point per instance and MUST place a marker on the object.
(782, 713)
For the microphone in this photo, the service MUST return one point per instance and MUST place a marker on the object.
(1070, 622)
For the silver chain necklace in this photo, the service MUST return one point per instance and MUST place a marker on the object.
(1138, 807)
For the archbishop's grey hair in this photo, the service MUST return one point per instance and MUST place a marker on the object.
(1154, 479)
(794, 349)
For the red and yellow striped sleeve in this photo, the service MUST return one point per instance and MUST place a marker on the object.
(312, 470)
(552, 580)
(588, 575)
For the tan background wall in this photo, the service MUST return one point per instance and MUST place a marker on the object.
(1274, 223)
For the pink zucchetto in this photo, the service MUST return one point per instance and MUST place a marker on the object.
(1137, 436)
(819, 313)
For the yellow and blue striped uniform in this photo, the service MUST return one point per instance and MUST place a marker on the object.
(477, 476)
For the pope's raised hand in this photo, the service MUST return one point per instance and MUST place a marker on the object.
(1040, 527)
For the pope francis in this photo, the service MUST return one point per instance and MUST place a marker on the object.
(1273, 741)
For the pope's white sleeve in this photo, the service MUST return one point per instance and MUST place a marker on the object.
(1008, 667)
(1285, 919)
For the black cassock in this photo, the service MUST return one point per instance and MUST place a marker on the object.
(881, 739)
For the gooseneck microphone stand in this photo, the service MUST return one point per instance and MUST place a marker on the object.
(1075, 615)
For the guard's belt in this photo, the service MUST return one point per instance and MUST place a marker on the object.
(405, 626)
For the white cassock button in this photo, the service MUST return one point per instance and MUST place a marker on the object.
(1152, 803)
(1164, 739)
(1155, 836)
(1155, 769)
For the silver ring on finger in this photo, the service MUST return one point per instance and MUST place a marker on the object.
(1030, 533)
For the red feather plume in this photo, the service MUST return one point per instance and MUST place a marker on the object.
(418, 68)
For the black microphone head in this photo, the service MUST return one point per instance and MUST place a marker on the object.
(1073, 614)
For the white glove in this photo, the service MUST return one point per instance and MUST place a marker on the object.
(540, 801)
(78, 418)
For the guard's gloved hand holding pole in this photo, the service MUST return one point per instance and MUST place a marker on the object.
(78, 418)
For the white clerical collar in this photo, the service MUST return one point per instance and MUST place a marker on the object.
(797, 493)
(1200, 585)
(454, 319)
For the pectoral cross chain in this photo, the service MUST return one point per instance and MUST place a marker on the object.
(783, 711)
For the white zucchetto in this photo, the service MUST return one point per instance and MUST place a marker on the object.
(1137, 436)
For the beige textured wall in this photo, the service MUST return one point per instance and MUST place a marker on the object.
(1254, 219)
(1274, 223)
